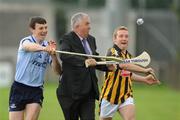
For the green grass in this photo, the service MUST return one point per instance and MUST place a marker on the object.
(157, 103)
(152, 103)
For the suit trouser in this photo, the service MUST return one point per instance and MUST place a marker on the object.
(75, 109)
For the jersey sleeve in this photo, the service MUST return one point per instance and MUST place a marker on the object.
(111, 52)
(22, 41)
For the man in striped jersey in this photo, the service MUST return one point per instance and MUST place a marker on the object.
(117, 92)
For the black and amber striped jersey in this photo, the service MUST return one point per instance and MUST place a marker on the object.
(117, 86)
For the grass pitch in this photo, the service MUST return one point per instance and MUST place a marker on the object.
(152, 103)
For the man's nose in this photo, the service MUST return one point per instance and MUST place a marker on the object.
(124, 38)
(45, 30)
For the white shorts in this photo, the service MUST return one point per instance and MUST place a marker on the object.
(108, 110)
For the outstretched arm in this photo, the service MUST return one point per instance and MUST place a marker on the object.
(135, 68)
(55, 62)
(149, 79)
(32, 47)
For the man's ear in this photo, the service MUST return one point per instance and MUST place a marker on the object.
(77, 26)
(114, 40)
(31, 29)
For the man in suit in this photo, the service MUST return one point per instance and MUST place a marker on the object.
(78, 87)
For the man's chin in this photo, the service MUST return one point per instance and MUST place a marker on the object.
(124, 47)
(86, 35)
(43, 37)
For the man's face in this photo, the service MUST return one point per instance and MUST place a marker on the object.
(84, 27)
(40, 31)
(122, 39)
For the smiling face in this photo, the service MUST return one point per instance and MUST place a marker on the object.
(38, 27)
(121, 38)
(40, 31)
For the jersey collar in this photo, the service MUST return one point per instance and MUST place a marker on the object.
(119, 49)
(35, 41)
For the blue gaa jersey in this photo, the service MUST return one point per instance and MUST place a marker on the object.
(31, 66)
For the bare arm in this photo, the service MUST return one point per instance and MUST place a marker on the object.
(135, 68)
(32, 47)
(149, 79)
(56, 65)
(55, 62)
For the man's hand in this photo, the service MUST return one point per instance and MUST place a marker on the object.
(52, 44)
(90, 62)
(112, 67)
(51, 48)
(149, 70)
(150, 80)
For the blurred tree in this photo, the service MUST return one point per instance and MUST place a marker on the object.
(173, 5)
(152, 4)
(96, 3)
(89, 3)
(61, 22)
(66, 1)
(176, 8)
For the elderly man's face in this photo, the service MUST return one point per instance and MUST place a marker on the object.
(84, 26)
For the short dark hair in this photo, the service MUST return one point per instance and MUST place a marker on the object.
(36, 19)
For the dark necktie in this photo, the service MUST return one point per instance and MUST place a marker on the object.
(84, 41)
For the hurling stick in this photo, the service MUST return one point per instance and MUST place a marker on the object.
(90, 56)
(143, 60)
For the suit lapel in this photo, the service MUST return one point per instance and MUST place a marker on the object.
(91, 45)
(77, 42)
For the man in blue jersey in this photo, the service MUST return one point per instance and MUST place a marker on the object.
(34, 54)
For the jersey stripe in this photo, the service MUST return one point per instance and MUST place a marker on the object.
(113, 79)
(114, 90)
(117, 86)
(118, 91)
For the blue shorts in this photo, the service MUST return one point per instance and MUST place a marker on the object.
(21, 95)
